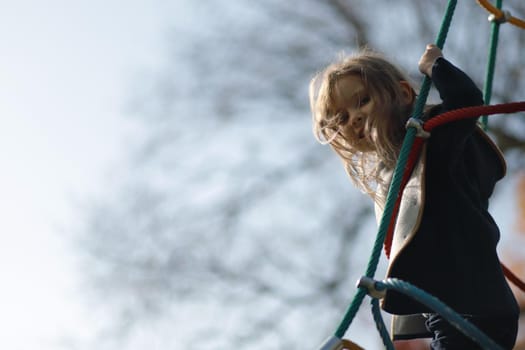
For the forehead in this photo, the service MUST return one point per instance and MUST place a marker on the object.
(348, 90)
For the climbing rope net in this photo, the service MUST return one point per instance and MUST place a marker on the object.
(416, 133)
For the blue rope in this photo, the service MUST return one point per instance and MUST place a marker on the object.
(381, 328)
(446, 312)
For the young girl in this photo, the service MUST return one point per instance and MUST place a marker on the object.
(444, 239)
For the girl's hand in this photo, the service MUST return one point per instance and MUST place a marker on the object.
(431, 54)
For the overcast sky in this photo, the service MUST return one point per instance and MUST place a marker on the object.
(67, 69)
(65, 72)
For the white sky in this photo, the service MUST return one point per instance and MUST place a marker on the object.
(65, 73)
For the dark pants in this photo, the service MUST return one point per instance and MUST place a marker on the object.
(502, 330)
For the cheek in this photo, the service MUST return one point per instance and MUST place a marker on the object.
(373, 112)
(347, 132)
(369, 107)
(350, 136)
(374, 136)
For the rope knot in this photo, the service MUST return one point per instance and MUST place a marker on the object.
(373, 288)
(503, 17)
(418, 125)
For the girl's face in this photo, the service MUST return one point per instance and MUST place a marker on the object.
(356, 108)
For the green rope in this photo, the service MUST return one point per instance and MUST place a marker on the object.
(491, 64)
(396, 181)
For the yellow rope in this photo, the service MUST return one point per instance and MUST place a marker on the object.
(501, 15)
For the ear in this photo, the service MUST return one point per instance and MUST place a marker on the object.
(407, 93)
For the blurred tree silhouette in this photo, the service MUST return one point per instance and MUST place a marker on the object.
(231, 227)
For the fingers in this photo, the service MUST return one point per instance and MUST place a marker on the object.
(431, 54)
(433, 51)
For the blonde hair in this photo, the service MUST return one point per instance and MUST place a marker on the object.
(382, 81)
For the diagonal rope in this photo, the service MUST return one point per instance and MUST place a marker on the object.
(445, 311)
(396, 181)
(409, 150)
(381, 328)
(407, 158)
(457, 114)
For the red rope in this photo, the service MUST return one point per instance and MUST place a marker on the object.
(457, 114)
(470, 112)
(411, 162)
(513, 278)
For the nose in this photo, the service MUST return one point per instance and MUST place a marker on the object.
(356, 120)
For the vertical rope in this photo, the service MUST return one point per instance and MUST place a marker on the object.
(491, 64)
(396, 181)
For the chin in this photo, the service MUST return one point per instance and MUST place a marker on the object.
(365, 148)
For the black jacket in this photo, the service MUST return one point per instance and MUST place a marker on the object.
(453, 252)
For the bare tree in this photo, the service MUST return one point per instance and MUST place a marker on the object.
(230, 220)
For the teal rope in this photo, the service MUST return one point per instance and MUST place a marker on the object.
(446, 312)
(491, 64)
(376, 312)
(396, 181)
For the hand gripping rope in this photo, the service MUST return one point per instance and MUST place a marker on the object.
(332, 343)
(416, 133)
